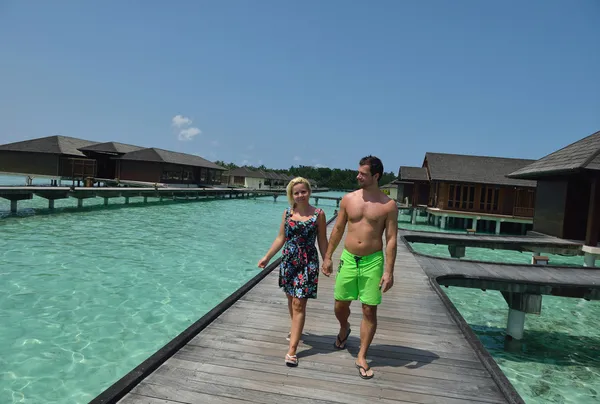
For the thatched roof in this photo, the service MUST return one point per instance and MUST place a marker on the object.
(413, 174)
(165, 156)
(246, 172)
(111, 147)
(581, 155)
(60, 145)
(476, 169)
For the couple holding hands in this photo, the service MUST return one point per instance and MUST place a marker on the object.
(362, 273)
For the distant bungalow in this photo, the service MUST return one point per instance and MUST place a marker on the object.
(68, 158)
(568, 193)
(248, 178)
(471, 191)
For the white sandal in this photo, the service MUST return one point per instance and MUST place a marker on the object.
(291, 360)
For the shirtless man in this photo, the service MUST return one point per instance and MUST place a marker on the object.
(361, 274)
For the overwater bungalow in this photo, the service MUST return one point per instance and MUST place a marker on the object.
(413, 189)
(567, 204)
(67, 158)
(244, 177)
(472, 191)
(53, 157)
(395, 189)
(248, 178)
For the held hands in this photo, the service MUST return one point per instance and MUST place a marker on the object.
(327, 267)
(386, 283)
(264, 261)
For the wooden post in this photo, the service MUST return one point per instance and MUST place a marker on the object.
(13, 206)
(593, 220)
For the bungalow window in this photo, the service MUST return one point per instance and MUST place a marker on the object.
(461, 196)
(188, 174)
(489, 199)
(171, 175)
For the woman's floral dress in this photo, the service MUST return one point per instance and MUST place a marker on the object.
(299, 269)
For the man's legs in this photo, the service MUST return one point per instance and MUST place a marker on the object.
(346, 290)
(342, 313)
(371, 272)
(368, 326)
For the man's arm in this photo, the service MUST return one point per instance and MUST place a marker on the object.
(391, 248)
(336, 236)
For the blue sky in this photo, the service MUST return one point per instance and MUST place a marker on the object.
(284, 83)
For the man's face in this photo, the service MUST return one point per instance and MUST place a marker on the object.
(364, 177)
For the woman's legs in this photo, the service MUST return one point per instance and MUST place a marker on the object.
(290, 298)
(298, 317)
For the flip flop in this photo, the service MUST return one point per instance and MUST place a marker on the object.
(365, 376)
(341, 343)
(291, 360)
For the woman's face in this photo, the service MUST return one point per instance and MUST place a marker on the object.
(300, 193)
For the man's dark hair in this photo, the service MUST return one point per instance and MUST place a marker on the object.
(375, 165)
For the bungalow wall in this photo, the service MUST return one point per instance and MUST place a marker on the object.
(252, 182)
(139, 171)
(577, 207)
(550, 206)
(29, 163)
(562, 206)
(147, 171)
(481, 198)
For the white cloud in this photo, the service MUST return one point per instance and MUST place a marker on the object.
(320, 165)
(179, 120)
(297, 158)
(245, 162)
(189, 133)
(260, 162)
(215, 143)
(251, 147)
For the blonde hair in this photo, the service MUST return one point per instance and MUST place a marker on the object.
(290, 187)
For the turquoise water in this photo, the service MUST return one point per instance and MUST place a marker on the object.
(88, 295)
(559, 360)
(488, 255)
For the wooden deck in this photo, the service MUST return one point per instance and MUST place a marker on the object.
(518, 243)
(419, 354)
(578, 282)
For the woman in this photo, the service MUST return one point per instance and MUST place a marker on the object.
(301, 225)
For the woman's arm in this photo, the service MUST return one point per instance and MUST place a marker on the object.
(322, 233)
(276, 246)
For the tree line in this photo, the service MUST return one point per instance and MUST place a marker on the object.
(325, 177)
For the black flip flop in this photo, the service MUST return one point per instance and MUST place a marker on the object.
(338, 342)
(365, 376)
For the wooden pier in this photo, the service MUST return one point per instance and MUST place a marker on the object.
(17, 193)
(538, 244)
(522, 286)
(421, 352)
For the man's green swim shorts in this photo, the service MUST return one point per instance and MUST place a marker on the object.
(359, 277)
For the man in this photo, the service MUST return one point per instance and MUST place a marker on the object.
(361, 273)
